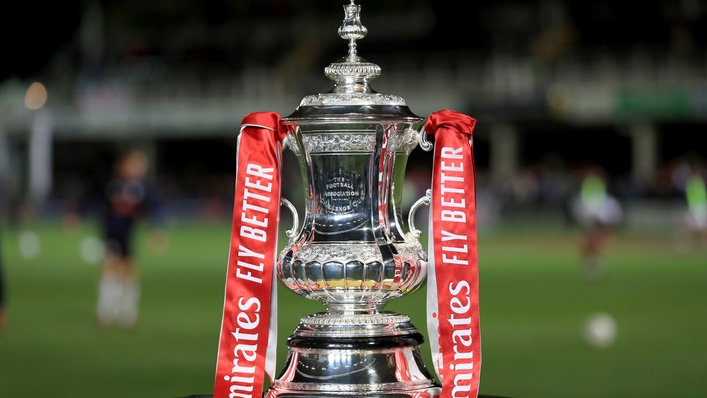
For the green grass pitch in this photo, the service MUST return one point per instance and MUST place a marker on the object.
(533, 305)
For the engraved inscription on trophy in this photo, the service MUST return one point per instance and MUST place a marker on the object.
(344, 194)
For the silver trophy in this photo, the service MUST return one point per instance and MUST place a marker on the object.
(354, 253)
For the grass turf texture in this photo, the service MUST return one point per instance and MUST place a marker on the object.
(533, 304)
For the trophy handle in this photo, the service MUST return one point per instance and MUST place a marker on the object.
(425, 200)
(292, 232)
(427, 146)
(424, 144)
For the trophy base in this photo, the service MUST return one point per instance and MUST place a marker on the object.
(380, 360)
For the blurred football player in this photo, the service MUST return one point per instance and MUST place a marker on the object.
(127, 198)
(695, 221)
(598, 213)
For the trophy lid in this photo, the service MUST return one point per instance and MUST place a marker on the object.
(352, 94)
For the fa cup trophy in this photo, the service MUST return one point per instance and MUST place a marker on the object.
(354, 251)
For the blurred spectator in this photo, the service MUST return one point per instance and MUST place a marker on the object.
(525, 186)
(127, 197)
(695, 221)
(553, 186)
(598, 213)
(488, 209)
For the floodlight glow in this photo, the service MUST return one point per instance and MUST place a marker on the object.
(36, 96)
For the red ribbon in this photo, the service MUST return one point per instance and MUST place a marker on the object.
(452, 289)
(249, 325)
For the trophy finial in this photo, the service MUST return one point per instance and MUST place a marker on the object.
(352, 29)
(352, 72)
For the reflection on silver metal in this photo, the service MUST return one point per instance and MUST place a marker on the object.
(352, 72)
(425, 200)
(424, 144)
(352, 29)
(292, 232)
(353, 252)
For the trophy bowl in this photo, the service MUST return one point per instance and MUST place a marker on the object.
(351, 253)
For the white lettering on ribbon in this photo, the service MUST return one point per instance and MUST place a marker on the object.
(255, 219)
